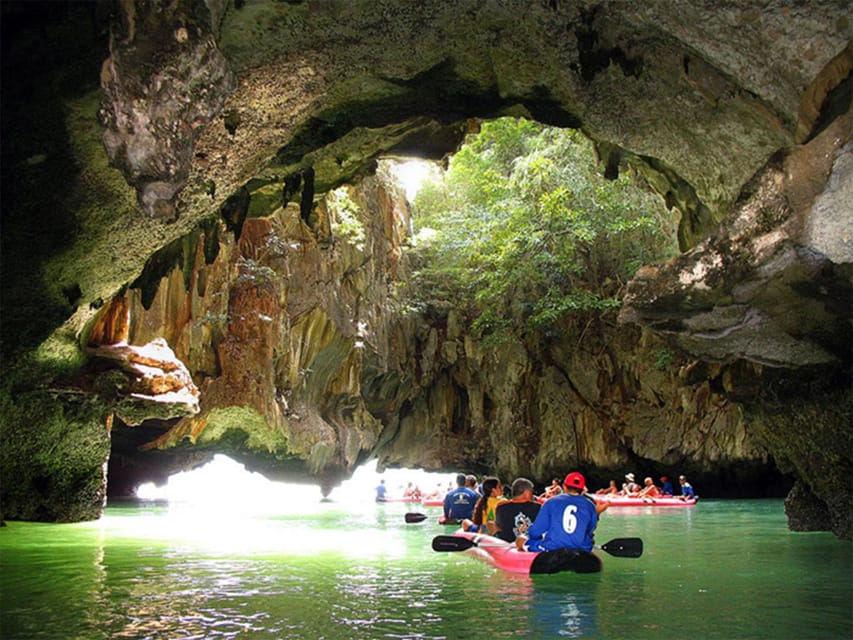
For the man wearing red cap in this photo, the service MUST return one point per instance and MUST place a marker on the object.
(565, 521)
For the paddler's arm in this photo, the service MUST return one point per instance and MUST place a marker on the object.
(599, 506)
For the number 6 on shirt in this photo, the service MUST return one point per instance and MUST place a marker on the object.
(570, 521)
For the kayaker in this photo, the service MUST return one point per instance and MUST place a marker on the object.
(435, 494)
(649, 490)
(513, 517)
(551, 490)
(666, 486)
(483, 520)
(473, 485)
(565, 521)
(412, 492)
(611, 489)
(686, 489)
(630, 488)
(459, 503)
(381, 490)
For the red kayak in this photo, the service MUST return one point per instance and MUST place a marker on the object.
(504, 555)
(433, 502)
(634, 501)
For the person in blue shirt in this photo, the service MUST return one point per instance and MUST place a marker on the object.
(381, 490)
(686, 489)
(566, 521)
(666, 486)
(459, 503)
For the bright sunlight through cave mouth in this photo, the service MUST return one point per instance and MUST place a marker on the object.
(224, 480)
(411, 173)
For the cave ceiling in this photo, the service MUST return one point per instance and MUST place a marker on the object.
(200, 99)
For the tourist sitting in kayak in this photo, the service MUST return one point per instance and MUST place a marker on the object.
(513, 517)
(665, 487)
(473, 485)
(686, 489)
(630, 488)
(565, 521)
(459, 503)
(412, 492)
(483, 520)
(649, 490)
(551, 490)
(612, 489)
(435, 494)
(381, 491)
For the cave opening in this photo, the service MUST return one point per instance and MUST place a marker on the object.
(223, 482)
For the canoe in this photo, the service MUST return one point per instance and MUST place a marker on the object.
(505, 556)
(628, 501)
(433, 502)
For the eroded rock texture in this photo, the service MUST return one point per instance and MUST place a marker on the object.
(228, 122)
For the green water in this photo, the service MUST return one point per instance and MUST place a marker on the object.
(723, 569)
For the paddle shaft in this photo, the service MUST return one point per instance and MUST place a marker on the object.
(619, 547)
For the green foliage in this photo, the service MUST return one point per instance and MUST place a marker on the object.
(345, 221)
(523, 230)
(254, 273)
(663, 358)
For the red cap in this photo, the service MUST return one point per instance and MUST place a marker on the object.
(576, 481)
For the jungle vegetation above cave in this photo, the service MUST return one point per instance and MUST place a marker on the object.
(522, 230)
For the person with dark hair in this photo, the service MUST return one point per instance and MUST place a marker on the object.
(483, 520)
(551, 490)
(471, 483)
(381, 491)
(566, 521)
(513, 517)
(666, 486)
(459, 503)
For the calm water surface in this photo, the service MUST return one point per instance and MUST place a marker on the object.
(724, 569)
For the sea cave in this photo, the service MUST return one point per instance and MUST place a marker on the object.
(205, 249)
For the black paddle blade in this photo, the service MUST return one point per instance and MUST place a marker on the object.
(624, 547)
(451, 543)
(415, 517)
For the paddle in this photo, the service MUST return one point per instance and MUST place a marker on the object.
(415, 517)
(619, 547)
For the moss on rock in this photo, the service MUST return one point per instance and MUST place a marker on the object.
(54, 455)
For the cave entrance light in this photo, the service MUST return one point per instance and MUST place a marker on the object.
(411, 173)
(225, 483)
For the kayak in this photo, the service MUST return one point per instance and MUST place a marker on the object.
(433, 502)
(504, 555)
(406, 499)
(628, 501)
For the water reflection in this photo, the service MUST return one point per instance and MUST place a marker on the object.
(552, 606)
(364, 574)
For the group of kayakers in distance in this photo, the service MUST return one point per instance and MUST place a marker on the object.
(649, 489)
